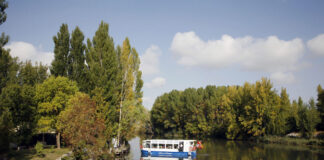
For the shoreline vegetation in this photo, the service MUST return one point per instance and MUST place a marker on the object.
(250, 111)
(31, 154)
(289, 141)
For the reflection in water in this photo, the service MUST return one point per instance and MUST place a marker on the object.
(222, 149)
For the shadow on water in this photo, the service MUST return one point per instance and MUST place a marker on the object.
(222, 149)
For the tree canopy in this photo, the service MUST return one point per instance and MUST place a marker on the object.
(233, 112)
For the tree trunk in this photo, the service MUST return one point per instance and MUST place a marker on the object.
(58, 137)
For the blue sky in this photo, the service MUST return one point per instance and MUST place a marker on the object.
(189, 43)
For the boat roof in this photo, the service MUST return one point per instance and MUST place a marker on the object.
(169, 140)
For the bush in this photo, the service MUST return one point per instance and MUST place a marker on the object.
(39, 147)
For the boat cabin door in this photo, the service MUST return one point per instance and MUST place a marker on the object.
(181, 145)
(148, 146)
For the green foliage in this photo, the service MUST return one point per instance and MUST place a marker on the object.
(6, 127)
(8, 68)
(19, 100)
(61, 52)
(39, 149)
(320, 106)
(52, 97)
(234, 112)
(102, 73)
(76, 59)
(308, 118)
(3, 15)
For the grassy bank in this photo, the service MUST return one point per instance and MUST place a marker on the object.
(290, 141)
(30, 154)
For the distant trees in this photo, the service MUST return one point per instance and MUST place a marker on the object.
(233, 112)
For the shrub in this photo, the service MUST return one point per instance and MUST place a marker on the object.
(39, 147)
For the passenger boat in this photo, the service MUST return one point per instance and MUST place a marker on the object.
(168, 148)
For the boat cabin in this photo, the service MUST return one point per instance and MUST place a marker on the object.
(168, 148)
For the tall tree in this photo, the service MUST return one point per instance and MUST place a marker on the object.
(8, 65)
(102, 74)
(76, 58)
(8, 70)
(320, 106)
(52, 97)
(102, 63)
(3, 14)
(61, 52)
(131, 85)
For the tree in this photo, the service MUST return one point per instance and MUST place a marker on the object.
(7, 129)
(308, 118)
(131, 85)
(8, 68)
(52, 97)
(60, 63)
(76, 59)
(19, 101)
(82, 127)
(3, 15)
(102, 73)
(320, 106)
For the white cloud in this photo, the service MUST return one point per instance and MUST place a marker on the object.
(269, 55)
(148, 102)
(26, 51)
(282, 78)
(316, 45)
(150, 60)
(156, 82)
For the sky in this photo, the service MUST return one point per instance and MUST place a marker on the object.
(189, 43)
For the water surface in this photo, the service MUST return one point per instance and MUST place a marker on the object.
(241, 150)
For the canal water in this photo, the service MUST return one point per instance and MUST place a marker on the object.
(241, 150)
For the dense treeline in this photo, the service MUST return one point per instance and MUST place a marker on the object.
(39, 99)
(234, 112)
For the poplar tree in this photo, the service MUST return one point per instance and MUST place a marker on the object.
(76, 58)
(3, 14)
(130, 104)
(60, 63)
(102, 74)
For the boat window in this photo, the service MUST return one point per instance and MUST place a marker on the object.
(176, 146)
(161, 146)
(154, 145)
(169, 146)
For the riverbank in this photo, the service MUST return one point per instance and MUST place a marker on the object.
(290, 140)
(30, 154)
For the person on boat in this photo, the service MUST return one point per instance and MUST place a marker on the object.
(181, 147)
(199, 145)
